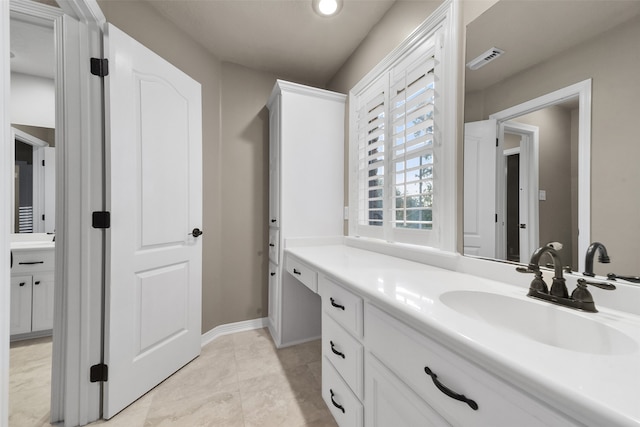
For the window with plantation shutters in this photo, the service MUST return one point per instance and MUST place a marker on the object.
(402, 180)
(412, 144)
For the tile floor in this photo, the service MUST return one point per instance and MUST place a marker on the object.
(239, 380)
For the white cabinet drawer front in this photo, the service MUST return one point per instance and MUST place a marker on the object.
(345, 353)
(303, 273)
(343, 404)
(28, 262)
(391, 403)
(344, 306)
(274, 245)
(408, 354)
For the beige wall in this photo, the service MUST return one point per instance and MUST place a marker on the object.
(144, 24)
(245, 190)
(611, 61)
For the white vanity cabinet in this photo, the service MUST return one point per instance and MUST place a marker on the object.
(438, 381)
(32, 287)
(342, 352)
(306, 152)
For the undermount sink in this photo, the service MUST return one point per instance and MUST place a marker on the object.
(541, 322)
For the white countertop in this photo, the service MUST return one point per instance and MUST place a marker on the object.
(30, 246)
(595, 389)
(32, 241)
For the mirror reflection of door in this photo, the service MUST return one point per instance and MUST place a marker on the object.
(549, 198)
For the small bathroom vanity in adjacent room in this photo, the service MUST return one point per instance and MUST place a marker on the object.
(32, 285)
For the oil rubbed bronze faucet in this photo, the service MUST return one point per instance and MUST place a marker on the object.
(580, 299)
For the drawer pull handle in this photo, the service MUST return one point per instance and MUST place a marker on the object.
(296, 272)
(273, 274)
(31, 263)
(22, 283)
(333, 303)
(274, 220)
(449, 392)
(336, 404)
(272, 245)
(336, 352)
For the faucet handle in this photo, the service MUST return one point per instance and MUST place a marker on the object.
(582, 283)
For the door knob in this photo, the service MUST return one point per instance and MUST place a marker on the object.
(196, 232)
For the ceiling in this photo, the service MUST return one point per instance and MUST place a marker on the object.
(283, 37)
(533, 31)
(33, 49)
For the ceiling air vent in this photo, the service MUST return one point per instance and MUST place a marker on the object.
(485, 58)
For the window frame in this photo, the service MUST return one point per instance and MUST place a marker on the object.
(440, 29)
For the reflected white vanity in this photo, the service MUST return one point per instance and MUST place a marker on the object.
(32, 285)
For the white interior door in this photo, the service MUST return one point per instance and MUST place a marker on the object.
(154, 194)
(480, 188)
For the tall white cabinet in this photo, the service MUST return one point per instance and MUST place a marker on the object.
(306, 198)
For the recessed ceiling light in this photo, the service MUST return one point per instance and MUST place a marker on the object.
(327, 7)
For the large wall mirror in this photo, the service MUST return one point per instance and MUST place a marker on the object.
(556, 104)
(33, 124)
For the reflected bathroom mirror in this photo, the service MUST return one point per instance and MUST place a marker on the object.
(555, 104)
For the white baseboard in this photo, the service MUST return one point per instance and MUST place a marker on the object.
(232, 328)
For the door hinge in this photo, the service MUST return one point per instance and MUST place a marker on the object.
(101, 219)
(99, 373)
(43, 163)
(43, 217)
(497, 142)
(496, 217)
(100, 67)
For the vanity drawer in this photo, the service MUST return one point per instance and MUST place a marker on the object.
(407, 353)
(302, 272)
(344, 306)
(28, 262)
(343, 404)
(345, 353)
(274, 245)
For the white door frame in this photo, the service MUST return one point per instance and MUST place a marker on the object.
(581, 91)
(79, 192)
(529, 171)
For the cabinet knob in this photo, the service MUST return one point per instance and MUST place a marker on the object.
(22, 283)
(36, 283)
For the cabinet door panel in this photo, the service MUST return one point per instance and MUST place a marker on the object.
(42, 316)
(20, 304)
(391, 403)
